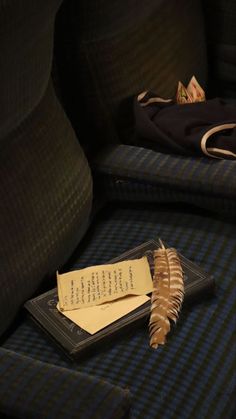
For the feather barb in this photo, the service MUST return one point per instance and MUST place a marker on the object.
(168, 293)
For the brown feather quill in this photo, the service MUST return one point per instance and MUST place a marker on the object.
(167, 296)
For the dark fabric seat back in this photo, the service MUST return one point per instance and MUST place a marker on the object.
(221, 40)
(45, 181)
(108, 51)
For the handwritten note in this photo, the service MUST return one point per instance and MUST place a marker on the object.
(93, 319)
(102, 283)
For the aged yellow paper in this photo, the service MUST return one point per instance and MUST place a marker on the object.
(93, 319)
(102, 283)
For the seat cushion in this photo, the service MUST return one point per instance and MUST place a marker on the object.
(193, 375)
(130, 173)
(55, 391)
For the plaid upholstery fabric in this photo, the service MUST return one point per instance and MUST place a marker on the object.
(107, 53)
(32, 389)
(45, 200)
(131, 173)
(193, 375)
(26, 44)
(45, 181)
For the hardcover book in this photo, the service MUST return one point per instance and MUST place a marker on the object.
(75, 341)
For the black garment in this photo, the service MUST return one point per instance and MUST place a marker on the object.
(195, 129)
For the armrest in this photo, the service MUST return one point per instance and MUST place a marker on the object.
(33, 389)
(132, 173)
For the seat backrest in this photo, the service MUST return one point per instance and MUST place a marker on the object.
(45, 181)
(221, 42)
(110, 50)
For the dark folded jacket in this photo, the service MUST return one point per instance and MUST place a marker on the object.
(202, 128)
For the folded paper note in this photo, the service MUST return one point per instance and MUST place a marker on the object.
(196, 91)
(103, 283)
(93, 319)
(193, 93)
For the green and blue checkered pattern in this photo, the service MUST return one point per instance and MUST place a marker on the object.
(193, 375)
(33, 389)
(129, 173)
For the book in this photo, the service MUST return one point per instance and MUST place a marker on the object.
(76, 342)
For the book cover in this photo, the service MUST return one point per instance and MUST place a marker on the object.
(75, 342)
